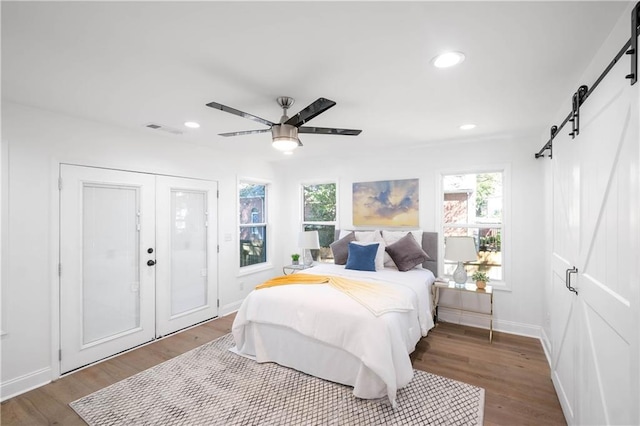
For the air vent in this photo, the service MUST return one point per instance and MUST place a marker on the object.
(163, 128)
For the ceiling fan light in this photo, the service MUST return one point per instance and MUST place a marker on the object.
(285, 144)
(284, 137)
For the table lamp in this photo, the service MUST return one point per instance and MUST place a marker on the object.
(460, 249)
(308, 240)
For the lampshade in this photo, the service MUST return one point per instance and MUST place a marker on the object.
(460, 249)
(309, 240)
(284, 137)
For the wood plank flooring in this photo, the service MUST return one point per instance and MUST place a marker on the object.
(513, 371)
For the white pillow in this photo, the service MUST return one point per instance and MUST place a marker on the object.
(391, 237)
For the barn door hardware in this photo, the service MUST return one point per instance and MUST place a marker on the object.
(567, 279)
(633, 51)
(577, 100)
(630, 48)
(549, 145)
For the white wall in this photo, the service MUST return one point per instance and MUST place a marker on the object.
(519, 310)
(34, 143)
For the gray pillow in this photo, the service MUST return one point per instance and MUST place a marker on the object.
(406, 253)
(340, 248)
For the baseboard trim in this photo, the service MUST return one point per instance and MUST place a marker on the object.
(22, 384)
(481, 321)
(546, 345)
(229, 308)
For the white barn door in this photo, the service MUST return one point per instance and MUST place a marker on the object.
(563, 302)
(597, 179)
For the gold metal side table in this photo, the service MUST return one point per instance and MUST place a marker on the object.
(466, 288)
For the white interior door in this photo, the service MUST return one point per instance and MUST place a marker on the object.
(596, 201)
(563, 302)
(106, 288)
(608, 253)
(186, 252)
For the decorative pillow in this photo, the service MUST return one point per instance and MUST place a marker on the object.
(367, 236)
(340, 248)
(391, 237)
(362, 257)
(407, 253)
(379, 260)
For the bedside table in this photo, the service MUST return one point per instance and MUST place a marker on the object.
(293, 268)
(466, 288)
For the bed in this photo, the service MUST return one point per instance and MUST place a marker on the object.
(322, 331)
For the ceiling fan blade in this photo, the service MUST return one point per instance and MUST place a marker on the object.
(329, 131)
(239, 113)
(317, 107)
(244, 132)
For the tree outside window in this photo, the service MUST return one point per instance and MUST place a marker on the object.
(253, 223)
(319, 214)
(473, 206)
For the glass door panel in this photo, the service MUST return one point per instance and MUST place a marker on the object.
(110, 261)
(188, 251)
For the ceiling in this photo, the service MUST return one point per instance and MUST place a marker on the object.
(128, 64)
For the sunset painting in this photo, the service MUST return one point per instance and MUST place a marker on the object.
(392, 203)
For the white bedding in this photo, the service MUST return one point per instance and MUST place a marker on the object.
(326, 318)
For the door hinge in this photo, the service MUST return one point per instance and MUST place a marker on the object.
(217, 193)
(218, 303)
(218, 248)
(59, 354)
(59, 269)
(59, 184)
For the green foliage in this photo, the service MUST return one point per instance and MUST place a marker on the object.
(480, 276)
(485, 186)
(320, 202)
(295, 257)
(251, 190)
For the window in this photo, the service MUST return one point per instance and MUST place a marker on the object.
(319, 214)
(473, 205)
(253, 223)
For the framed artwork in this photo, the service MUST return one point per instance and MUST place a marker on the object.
(386, 203)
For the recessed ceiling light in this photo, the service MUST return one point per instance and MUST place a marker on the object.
(191, 124)
(448, 59)
(467, 126)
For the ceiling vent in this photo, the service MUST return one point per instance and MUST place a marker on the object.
(163, 128)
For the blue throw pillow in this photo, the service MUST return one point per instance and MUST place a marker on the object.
(362, 258)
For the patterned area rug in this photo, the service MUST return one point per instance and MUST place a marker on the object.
(212, 386)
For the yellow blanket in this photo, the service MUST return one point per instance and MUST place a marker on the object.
(378, 298)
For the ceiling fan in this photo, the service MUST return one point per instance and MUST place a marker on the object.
(284, 134)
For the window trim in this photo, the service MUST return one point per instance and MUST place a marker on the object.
(506, 283)
(268, 263)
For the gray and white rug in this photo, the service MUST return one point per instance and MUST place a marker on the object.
(212, 386)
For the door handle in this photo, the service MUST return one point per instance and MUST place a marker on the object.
(151, 262)
(567, 279)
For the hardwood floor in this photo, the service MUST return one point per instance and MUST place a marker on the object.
(513, 371)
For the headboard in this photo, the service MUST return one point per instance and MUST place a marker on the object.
(429, 245)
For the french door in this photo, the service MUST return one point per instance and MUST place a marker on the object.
(137, 259)
(595, 354)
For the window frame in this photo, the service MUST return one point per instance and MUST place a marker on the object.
(267, 264)
(506, 246)
(303, 222)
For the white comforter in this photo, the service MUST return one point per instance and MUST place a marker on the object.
(318, 311)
